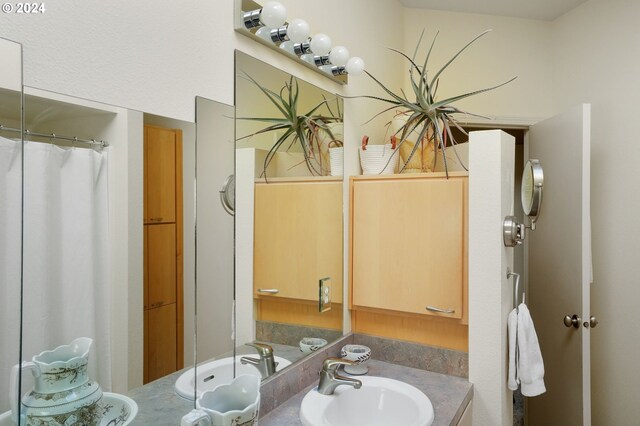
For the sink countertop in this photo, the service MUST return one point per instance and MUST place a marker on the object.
(448, 394)
(160, 405)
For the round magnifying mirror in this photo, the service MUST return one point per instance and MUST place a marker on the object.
(531, 190)
(228, 195)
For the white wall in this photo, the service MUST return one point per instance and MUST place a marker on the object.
(491, 180)
(515, 47)
(596, 61)
(11, 54)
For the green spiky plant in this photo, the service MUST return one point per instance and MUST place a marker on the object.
(426, 113)
(299, 128)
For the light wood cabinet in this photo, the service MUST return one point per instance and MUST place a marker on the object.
(408, 244)
(160, 175)
(163, 252)
(298, 238)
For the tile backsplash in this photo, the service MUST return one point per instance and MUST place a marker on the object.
(287, 334)
(438, 360)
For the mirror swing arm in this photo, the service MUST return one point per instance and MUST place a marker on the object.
(513, 232)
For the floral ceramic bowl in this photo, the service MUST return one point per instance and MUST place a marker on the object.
(358, 353)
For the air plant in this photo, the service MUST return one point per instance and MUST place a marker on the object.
(425, 113)
(299, 128)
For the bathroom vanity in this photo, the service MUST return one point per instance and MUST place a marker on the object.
(449, 395)
(282, 393)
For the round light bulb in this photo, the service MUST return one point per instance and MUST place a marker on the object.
(308, 58)
(355, 66)
(273, 14)
(339, 56)
(298, 30)
(264, 33)
(326, 68)
(288, 46)
(320, 44)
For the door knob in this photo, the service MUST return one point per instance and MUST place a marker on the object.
(573, 321)
(593, 321)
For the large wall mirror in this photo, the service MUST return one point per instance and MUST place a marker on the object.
(288, 215)
(108, 243)
(10, 212)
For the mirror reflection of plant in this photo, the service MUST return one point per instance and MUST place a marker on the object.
(302, 129)
(425, 113)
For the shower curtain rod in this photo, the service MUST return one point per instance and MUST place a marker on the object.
(27, 132)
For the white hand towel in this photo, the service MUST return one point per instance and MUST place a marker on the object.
(530, 364)
(512, 328)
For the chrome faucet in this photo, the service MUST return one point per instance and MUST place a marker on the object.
(330, 379)
(266, 364)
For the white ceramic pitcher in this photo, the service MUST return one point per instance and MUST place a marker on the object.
(233, 404)
(63, 393)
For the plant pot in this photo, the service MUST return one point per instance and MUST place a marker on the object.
(423, 158)
(326, 143)
(378, 159)
(336, 160)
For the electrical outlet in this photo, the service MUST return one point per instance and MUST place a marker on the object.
(324, 295)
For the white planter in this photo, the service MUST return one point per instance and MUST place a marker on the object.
(336, 159)
(378, 159)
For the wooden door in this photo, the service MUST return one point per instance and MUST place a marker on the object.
(559, 268)
(298, 238)
(162, 341)
(163, 253)
(408, 245)
(161, 269)
(160, 175)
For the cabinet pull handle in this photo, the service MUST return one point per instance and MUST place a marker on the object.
(268, 290)
(156, 219)
(440, 310)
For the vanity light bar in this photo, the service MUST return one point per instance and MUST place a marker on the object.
(268, 24)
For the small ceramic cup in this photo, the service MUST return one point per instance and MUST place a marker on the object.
(236, 403)
(359, 354)
(311, 344)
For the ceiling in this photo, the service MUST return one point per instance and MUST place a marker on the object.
(547, 10)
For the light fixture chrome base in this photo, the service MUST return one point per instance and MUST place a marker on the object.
(252, 19)
(334, 69)
(279, 35)
(303, 48)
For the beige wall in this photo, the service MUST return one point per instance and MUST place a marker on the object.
(596, 60)
(515, 47)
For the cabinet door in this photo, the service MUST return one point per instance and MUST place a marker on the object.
(298, 238)
(160, 175)
(145, 290)
(408, 245)
(161, 343)
(161, 261)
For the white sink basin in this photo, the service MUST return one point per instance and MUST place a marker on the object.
(218, 372)
(380, 402)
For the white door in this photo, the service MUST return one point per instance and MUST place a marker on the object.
(559, 268)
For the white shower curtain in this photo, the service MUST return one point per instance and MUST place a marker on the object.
(67, 290)
(10, 216)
